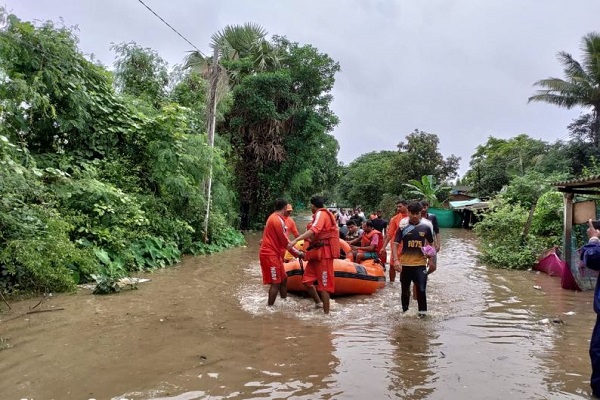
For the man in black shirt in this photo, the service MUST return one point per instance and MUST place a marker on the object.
(358, 220)
(414, 233)
(379, 223)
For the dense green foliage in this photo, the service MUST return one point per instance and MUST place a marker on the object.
(527, 216)
(96, 183)
(501, 231)
(279, 121)
(366, 180)
(506, 242)
(106, 171)
(376, 176)
(428, 189)
(496, 162)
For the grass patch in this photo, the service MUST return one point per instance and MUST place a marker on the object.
(4, 345)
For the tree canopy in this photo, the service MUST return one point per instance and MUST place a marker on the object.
(581, 86)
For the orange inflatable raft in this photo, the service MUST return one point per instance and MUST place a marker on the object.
(350, 277)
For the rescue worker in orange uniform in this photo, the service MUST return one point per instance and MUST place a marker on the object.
(290, 224)
(323, 246)
(272, 249)
(401, 213)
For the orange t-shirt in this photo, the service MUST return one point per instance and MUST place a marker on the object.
(274, 239)
(290, 226)
(322, 222)
(393, 226)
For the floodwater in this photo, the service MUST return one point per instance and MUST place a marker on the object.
(201, 330)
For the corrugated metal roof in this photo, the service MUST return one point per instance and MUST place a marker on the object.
(579, 181)
(590, 181)
(474, 204)
(463, 203)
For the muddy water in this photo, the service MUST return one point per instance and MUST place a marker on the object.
(201, 330)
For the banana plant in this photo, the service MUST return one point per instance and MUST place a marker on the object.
(428, 189)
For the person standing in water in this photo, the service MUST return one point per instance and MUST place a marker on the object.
(323, 247)
(590, 256)
(290, 224)
(272, 249)
(413, 234)
(401, 212)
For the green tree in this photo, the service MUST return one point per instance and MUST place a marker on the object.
(54, 100)
(367, 179)
(581, 86)
(242, 49)
(419, 156)
(428, 189)
(496, 162)
(140, 72)
(94, 183)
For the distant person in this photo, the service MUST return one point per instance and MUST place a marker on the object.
(590, 256)
(342, 221)
(323, 248)
(343, 218)
(401, 212)
(290, 224)
(272, 249)
(414, 234)
(361, 214)
(358, 220)
(379, 223)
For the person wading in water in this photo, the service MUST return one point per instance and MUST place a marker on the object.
(323, 247)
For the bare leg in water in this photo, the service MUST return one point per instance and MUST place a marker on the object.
(283, 289)
(312, 292)
(273, 291)
(325, 297)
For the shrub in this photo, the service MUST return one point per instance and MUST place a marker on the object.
(500, 232)
(49, 261)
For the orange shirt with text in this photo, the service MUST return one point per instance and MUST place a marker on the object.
(274, 239)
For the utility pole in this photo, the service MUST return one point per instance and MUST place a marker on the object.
(212, 116)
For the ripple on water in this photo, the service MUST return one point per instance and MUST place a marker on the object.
(482, 337)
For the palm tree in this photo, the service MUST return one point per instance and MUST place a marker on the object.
(427, 189)
(241, 51)
(581, 86)
(236, 43)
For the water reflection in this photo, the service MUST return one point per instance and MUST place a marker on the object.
(413, 376)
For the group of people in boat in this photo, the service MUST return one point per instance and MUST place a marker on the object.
(413, 232)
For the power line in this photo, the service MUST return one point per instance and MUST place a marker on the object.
(170, 26)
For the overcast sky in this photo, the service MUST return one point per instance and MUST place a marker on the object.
(462, 69)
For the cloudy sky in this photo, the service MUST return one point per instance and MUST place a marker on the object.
(462, 69)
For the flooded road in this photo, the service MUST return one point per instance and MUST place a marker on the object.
(201, 330)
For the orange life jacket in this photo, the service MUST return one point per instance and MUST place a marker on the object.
(329, 237)
(367, 237)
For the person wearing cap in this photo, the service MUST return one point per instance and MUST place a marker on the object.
(290, 224)
(590, 256)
